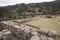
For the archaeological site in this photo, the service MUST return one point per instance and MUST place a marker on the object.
(15, 30)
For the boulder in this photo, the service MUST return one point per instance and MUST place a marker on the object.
(35, 37)
(52, 33)
(43, 37)
(43, 31)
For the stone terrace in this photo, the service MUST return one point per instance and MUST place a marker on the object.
(27, 32)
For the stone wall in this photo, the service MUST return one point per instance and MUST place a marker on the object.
(24, 32)
(5, 35)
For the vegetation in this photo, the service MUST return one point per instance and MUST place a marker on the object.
(23, 10)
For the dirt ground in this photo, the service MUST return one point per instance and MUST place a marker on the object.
(47, 23)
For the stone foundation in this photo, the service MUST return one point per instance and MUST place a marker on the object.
(24, 32)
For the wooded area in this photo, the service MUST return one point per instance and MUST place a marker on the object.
(29, 10)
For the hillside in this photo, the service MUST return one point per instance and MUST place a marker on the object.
(29, 10)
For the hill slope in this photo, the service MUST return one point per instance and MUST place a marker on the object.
(23, 10)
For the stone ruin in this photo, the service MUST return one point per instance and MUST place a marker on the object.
(24, 32)
(5, 35)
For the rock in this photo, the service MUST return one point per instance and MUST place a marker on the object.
(43, 31)
(35, 38)
(52, 33)
(5, 35)
(43, 37)
(50, 38)
(27, 29)
(34, 33)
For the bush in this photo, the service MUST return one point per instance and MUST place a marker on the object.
(48, 16)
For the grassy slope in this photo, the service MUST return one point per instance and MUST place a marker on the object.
(50, 24)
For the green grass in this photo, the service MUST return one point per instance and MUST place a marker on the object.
(47, 23)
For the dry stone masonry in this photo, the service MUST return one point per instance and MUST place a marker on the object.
(25, 32)
(5, 35)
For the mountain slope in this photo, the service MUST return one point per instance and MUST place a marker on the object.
(21, 10)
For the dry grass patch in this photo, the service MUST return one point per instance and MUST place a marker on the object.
(48, 23)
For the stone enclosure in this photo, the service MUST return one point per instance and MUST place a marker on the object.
(24, 32)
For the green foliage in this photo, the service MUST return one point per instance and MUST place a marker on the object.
(50, 8)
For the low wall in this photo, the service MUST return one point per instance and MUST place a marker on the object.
(5, 35)
(24, 32)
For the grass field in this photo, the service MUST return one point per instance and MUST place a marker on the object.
(47, 23)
